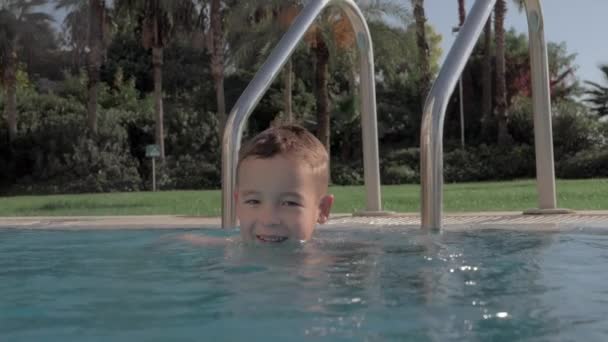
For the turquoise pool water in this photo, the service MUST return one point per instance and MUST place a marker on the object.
(348, 284)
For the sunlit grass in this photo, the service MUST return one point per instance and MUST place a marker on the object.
(590, 194)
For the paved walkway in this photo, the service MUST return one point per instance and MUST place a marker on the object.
(592, 219)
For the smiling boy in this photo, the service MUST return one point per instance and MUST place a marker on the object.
(282, 183)
(281, 188)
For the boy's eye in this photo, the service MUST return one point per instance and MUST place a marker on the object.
(252, 201)
(291, 203)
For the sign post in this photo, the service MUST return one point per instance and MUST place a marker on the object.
(153, 151)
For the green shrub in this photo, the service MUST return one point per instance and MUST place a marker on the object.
(585, 164)
(461, 166)
(54, 154)
(192, 172)
(408, 156)
(521, 120)
(574, 129)
(400, 175)
(346, 174)
(100, 167)
(489, 163)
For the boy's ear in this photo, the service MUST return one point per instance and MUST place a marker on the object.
(325, 208)
(236, 196)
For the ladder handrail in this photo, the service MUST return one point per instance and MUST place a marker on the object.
(241, 111)
(431, 136)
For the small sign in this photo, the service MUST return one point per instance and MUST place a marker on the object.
(152, 151)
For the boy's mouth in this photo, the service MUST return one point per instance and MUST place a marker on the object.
(271, 238)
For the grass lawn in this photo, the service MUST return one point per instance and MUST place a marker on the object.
(589, 194)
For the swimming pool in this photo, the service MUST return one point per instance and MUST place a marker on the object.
(365, 283)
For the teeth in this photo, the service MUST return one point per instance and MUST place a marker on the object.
(271, 238)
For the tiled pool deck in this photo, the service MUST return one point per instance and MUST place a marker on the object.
(452, 221)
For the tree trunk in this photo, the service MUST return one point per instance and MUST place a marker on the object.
(217, 62)
(157, 63)
(321, 80)
(288, 71)
(486, 77)
(501, 92)
(10, 81)
(94, 59)
(423, 48)
(462, 12)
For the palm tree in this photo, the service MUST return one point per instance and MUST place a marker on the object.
(598, 94)
(462, 12)
(97, 39)
(500, 10)
(486, 77)
(286, 17)
(157, 21)
(423, 47)
(332, 32)
(461, 17)
(318, 44)
(75, 29)
(19, 23)
(267, 18)
(216, 48)
(334, 28)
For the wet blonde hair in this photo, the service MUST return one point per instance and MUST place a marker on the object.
(291, 141)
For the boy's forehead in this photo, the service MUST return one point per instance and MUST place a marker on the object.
(279, 163)
(274, 170)
(287, 193)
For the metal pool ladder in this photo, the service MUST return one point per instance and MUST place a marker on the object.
(431, 137)
(241, 111)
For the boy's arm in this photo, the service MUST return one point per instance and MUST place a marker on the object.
(203, 240)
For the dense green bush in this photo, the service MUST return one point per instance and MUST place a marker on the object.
(399, 175)
(489, 163)
(100, 166)
(574, 129)
(346, 174)
(585, 164)
(53, 152)
(191, 172)
(521, 120)
(400, 166)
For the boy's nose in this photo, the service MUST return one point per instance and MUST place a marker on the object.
(270, 216)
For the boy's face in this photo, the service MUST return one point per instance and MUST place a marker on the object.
(279, 199)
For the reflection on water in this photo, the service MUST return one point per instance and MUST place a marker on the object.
(367, 284)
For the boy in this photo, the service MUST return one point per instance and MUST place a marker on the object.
(282, 183)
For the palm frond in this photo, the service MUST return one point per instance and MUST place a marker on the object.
(597, 95)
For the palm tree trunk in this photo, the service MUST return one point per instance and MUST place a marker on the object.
(10, 81)
(217, 61)
(462, 12)
(501, 92)
(486, 77)
(288, 71)
(321, 80)
(423, 48)
(157, 63)
(94, 57)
